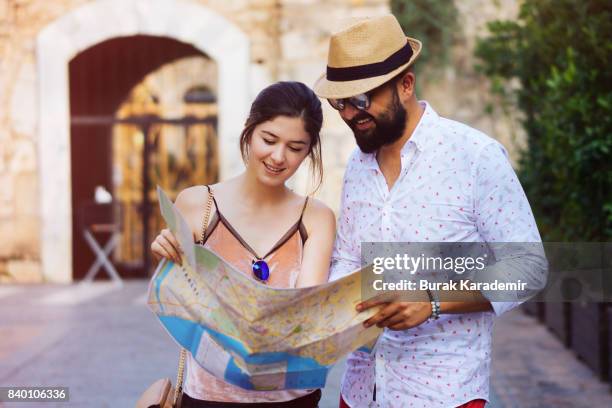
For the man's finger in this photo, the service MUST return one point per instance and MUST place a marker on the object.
(394, 319)
(383, 314)
(368, 304)
(374, 301)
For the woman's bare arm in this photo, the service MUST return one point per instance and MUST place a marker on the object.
(191, 203)
(320, 223)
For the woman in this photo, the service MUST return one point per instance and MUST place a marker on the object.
(259, 225)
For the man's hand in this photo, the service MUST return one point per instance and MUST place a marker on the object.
(396, 315)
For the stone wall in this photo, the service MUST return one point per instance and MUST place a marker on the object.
(458, 91)
(19, 215)
(305, 30)
(288, 40)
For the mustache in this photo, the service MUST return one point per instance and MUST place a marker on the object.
(353, 122)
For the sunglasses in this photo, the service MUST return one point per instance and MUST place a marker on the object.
(360, 102)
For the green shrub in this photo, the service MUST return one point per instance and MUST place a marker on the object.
(433, 22)
(560, 51)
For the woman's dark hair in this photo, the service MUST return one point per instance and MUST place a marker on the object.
(295, 100)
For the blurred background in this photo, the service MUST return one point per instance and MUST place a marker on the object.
(103, 100)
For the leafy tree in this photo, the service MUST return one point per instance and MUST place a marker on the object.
(433, 22)
(560, 51)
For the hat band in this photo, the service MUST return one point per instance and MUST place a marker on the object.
(397, 59)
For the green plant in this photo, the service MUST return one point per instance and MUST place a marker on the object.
(559, 50)
(433, 22)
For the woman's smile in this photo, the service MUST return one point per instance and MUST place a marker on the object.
(274, 170)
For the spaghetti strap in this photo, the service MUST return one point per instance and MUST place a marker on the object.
(213, 221)
(303, 209)
(301, 226)
(298, 226)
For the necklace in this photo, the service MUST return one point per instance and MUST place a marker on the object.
(261, 270)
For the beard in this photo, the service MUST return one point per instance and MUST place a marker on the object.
(387, 129)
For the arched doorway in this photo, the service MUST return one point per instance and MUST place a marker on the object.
(137, 121)
(96, 22)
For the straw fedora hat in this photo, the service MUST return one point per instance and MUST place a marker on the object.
(365, 55)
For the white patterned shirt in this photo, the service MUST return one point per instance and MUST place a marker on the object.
(456, 185)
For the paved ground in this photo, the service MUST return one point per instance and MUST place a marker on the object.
(103, 343)
(532, 369)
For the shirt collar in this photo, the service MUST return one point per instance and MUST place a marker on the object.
(421, 136)
(368, 160)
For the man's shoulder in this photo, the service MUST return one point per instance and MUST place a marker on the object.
(471, 139)
(356, 159)
(357, 163)
(453, 128)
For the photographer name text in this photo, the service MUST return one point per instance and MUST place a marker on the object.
(423, 284)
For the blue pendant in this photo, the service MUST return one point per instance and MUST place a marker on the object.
(261, 270)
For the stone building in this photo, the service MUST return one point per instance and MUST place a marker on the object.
(85, 87)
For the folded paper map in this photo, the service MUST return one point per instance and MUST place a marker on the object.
(247, 333)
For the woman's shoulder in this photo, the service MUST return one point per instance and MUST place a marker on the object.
(191, 197)
(318, 214)
(317, 207)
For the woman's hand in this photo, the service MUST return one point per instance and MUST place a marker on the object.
(166, 246)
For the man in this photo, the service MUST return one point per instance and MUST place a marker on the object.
(417, 177)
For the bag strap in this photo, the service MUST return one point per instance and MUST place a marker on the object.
(207, 209)
(178, 390)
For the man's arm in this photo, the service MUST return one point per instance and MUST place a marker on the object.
(503, 216)
(404, 315)
(505, 221)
